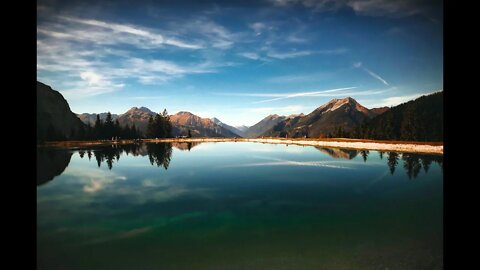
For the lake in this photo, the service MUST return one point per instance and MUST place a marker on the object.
(237, 206)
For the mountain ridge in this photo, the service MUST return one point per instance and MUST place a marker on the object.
(345, 114)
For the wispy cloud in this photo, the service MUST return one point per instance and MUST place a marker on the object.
(286, 55)
(294, 54)
(210, 32)
(305, 94)
(389, 8)
(376, 76)
(250, 55)
(105, 32)
(371, 73)
(299, 78)
(258, 27)
(344, 92)
(90, 54)
(146, 36)
(281, 162)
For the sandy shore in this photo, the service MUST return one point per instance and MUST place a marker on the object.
(397, 146)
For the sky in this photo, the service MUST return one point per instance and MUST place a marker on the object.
(238, 61)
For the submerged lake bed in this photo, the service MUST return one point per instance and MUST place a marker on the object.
(237, 206)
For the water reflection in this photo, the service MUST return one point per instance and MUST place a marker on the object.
(392, 161)
(160, 154)
(364, 154)
(412, 163)
(51, 163)
(185, 146)
(235, 203)
(338, 153)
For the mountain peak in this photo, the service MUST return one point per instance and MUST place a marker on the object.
(145, 109)
(273, 116)
(336, 103)
(141, 109)
(184, 113)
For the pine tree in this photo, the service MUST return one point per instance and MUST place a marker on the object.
(167, 123)
(98, 128)
(109, 126)
(150, 128)
(133, 132)
(117, 129)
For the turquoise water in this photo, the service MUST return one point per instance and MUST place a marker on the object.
(238, 206)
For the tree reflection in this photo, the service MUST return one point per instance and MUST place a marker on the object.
(109, 154)
(364, 154)
(411, 164)
(426, 162)
(160, 154)
(392, 161)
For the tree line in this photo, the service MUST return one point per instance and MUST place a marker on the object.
(159, 126)
(417, 120)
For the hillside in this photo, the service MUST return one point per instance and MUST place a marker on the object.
(263, 126)
(344, 113)
(199, 127)
(235, 130)
(137, 116)
(417, 120)
(55, 120)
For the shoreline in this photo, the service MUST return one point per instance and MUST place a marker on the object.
(357, 144)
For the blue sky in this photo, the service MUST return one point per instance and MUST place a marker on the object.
(239, 61)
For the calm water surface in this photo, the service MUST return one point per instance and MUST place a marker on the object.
(238, 206)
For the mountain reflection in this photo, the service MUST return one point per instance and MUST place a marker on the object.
(51, 163)
(185, 146)
(338, 153)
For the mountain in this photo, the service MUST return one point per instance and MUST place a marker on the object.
(137, 116)
(417, 120)
(90, 118)
(346, 113)
(232, 129)
(264, 125)
(55, 120)
(242, 128)
(199, 127)
(380, 110)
